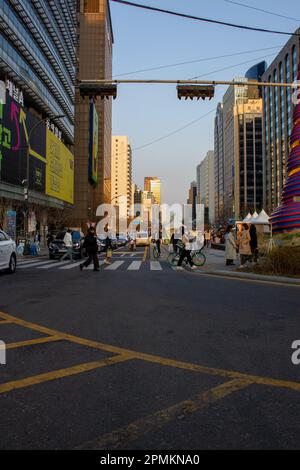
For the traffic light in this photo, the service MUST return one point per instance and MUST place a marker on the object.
(93, 90)
(195, 91)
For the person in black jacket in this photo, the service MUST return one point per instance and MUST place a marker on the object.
(91, 246)
(253, 243)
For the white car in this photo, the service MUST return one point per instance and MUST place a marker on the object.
(142, 239)
(8, 254)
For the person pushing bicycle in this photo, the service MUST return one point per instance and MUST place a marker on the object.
(185, 251)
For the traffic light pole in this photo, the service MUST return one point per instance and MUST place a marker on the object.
(191, 82)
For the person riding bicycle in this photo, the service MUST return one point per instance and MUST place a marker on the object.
(185, 251)
(157, 240)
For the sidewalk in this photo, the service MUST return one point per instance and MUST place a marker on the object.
(215, 265)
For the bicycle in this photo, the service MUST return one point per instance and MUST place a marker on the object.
(155, 252)
(198, 258)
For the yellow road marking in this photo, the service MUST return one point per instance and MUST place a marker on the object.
(145, 253)
(156, 359)
(61, 373)
(121, 437)
(5, 322)
(30, 342)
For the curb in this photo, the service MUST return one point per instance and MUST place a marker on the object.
(253, 277)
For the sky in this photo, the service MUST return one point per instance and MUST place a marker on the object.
(145, 113)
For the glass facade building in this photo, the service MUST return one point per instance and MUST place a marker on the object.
(219, 165)
(277, 120)
(37, 78)
(37, 52)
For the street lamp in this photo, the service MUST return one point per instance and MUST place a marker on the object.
(26, 181)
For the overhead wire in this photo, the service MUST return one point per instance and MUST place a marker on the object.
(205, 59)
(206, 20)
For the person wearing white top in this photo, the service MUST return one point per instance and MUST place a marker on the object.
(186, 252)
(69, 245)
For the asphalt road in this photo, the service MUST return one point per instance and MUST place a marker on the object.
(147, 359)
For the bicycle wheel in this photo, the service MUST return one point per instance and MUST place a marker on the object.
(173, 259)
(199, 258)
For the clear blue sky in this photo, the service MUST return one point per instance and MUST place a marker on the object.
(146, 112)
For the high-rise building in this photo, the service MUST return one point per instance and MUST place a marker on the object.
(37, 78)
(93, 118)
(206, 186)
(242, 125)
(219, 164)
(152, 184)
(121, 171)
(277, 120)
(192, 199)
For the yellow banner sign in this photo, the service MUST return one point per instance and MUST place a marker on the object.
(59, 169)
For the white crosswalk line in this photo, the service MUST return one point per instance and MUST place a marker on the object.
(91, 266)
(28, 261)
(115, 265)
(40, 263)
(50, 265)
(134, 266)
(155, 266)
(71, 265)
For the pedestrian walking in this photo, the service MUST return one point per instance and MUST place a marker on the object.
(207, 238)
(186, 252)
(244, 244)
(108, 246)
(91, 245)
(157, 241)
(253, 243)
(69, 245)
(230, 246)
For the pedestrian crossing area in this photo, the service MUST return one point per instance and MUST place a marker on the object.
(120, 264)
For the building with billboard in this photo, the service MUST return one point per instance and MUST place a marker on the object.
(278, 120)
(93, 125)
(37, 77)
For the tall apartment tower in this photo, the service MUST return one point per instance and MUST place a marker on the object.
(93, 120)
(278, 120)
(219, 165)
(152, 184)
(243, 176)
(121, 171)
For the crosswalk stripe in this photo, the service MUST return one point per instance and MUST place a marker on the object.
(114, 265)
(91, 266)
(155, 266)
(28, 261)
(134, 266)
(50, 265)
(40, 263)
(71, 265)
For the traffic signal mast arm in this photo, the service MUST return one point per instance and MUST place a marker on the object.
(185, 88)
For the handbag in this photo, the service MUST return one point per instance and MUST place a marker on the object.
(109, 253)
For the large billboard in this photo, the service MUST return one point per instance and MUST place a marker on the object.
(15, 125)
(93, 145)
(51, 164)
(59, 169)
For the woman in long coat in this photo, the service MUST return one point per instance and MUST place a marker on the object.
(230, 246)
(244, 244)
